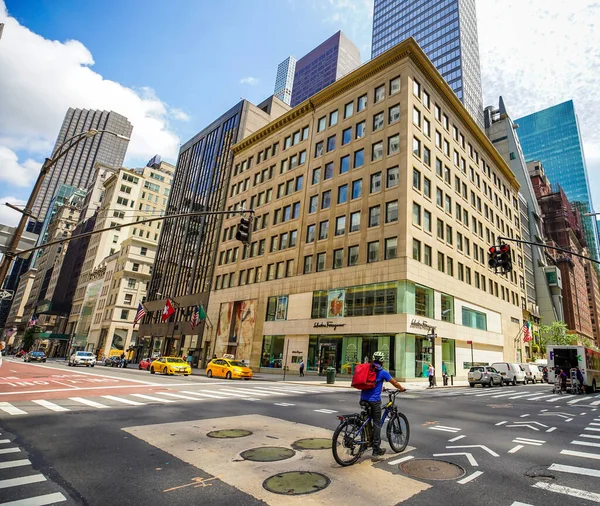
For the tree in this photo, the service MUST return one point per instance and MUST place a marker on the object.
(28, 338)
(555, 333)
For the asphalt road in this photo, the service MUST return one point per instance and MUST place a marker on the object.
(117, 441)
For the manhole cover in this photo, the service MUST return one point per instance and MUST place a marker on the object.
(267, 454)
(229, 433)
(432, 469)
(296, 483)
(312, 443)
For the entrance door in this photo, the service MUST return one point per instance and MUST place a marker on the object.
(328, 357)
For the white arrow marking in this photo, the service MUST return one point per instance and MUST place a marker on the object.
(471, 477)
(491, 452)
(556, 413)
(469, 456)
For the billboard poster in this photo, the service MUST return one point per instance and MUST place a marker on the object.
(336, 303)
(281, 310)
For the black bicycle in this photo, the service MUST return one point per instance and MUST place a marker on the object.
(354, 434)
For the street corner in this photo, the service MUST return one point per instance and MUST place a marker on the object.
(276, 461)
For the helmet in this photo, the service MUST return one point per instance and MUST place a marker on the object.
(379, 356)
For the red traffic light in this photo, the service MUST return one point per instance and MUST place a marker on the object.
(493, 250)
(505, 248)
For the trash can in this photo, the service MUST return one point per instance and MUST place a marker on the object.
(330, 375)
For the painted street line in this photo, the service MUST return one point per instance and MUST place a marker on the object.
(232, 393)
(581, 414)
(40, 500)
(555, 398)
(123, 401)
(4, 441)
(527, 442)
(551, 429)
(585, 443)
(10, 409)
(595, 403)
(569, 420)
(515, 449)
(517, 503)
(524, 416)
(15, 463)
(284, 390)
(581, 454)
(446, 427)
(326, 411)
(531, 422)
(471, 477)
(285, 404)
(50, 405)
(532, 440)
(581, 471)
(212, 396)
(444, 430)
(469, 456)
(502, 395)
(501, 423)
(575, 401)
(150, 398)
(5, 451)
(596, 424)
(493, 393)
(267, 391)
(179, 396)
(25, 480)
(524, 425)
(591, 436)
(491, 452)
(87, 402)
(249, 391)
(521, 396)
(398, 461)
(592, 429)
(455, 439)
(540, 397)
(554, 413)
(573, 492)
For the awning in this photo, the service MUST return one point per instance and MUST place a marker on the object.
(51, 335)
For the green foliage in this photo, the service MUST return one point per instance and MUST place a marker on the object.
(28, 338)
(556, 333)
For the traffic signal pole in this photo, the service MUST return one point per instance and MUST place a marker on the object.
(556, 248)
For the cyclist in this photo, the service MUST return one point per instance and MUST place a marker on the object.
(372, 396)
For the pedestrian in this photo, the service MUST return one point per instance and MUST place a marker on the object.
(2, 347)
(190, 359)
(563, 380)
(122, 360)
(302, 368)
(580, 380)
(431, 375)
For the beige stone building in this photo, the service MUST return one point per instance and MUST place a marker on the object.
(371, 231)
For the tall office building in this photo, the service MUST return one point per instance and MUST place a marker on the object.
(284, 81)
(446, 31)
(552, 136)
(324, 65)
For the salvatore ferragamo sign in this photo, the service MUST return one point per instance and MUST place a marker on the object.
(422, 324)
(328, 324)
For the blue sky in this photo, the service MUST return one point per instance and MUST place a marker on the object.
(173, 66)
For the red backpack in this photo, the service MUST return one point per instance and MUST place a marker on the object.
(365, 377)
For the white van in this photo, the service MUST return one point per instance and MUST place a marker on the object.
(532, 373)
(512, 373)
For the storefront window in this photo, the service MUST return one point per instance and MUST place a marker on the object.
(277, 308)
(272, 352)
(449, 357)
(447, 308)
(423, 356)
(366, 300)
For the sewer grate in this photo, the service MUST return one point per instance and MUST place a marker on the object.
(296, 483)
(432, 469)
(312, 443)
(267, 454)
(229, 433)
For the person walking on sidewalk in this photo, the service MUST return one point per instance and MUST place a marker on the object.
(190, 359)
(302, 369)
(431, 375)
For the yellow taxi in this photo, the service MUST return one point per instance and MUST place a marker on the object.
(228, 368)
(170, 365)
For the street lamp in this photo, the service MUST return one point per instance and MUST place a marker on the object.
(11, 251)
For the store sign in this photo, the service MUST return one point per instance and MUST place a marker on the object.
(296, 352)
(328, 324)
(422, 324)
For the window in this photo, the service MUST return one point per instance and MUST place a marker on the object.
(374, 213)
(359, 158)
(302, 156)
(135, 267)
(346, 136)
(447, 307)
(394, 85)
(416, 89)
(361, 103)
(394, 114)
(416, 116)
(437, 112)
(143, 251)
(427, 127)
(313, 204)
(391, 248)
(440, 229)
(377, 152)
(417, 214)
(445, 122)
(287, 142)
(391, 211)
(295, 138)
(439, 197)
(360, 130)
(449, 234)
(125, 188)
(416, 147)
(128, 299)
(321, 257)
(416, 180)
(357, 189)
(352, 256)
(330, 143)
(338, 258)
(474, 319)
(299, 183)
(426, 220)
(344, 164)
(293, 162)
(304, 137)
(333, 118)
(355, 221)
(375, 184)
(379, 93)
(322, 124)
(348, 110)
(448, 204)
(449, 266)
(393, 144)
(310, 233)
(342, 194)
(373, 252)
(308, 264)
(316, 176)
(340, 225)
(416, 250)
(326, 200)
(124, 314)
(427, 255)
(440, 262)
(377, 122)
(426, 156)
(393, 177)
(328, 171)
(427, 187)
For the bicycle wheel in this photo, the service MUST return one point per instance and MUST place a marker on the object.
(346, 444)
(398, 432)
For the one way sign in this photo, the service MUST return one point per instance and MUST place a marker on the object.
(6, 294)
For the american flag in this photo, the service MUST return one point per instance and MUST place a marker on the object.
(141, 312)
(33, 321)
(10, 332)
(527, 332)
(195, 321)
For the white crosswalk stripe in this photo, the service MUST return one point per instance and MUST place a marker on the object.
(40, 500)
(88, 402)
(123, 400)
(50, 405)
(151, 398)
(24, 480)
(7, 407)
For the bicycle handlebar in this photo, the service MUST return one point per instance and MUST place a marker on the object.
(394, 391)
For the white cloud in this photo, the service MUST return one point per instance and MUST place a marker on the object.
(41, 79)
(252, 81)
(9, 216)
(15, 173)
(180, 114)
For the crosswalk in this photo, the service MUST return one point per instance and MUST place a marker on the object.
(254, 393)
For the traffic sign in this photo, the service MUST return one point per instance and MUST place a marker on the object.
(6, 294)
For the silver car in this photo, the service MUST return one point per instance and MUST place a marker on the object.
(485, 376)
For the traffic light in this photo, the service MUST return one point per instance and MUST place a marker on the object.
(505, 258)
(494, 257)
(244, 231)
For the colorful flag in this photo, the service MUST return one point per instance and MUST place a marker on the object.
(198, 315)
(527, 332)
(33, 321)
(141, 312)
(168, 310)
(10, 332)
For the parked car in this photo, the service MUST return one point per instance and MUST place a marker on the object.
(35, 356)
(170, 365)
(533, 373)
(512, 373)
(86, 358)
(145, 363)
(113, 361)
(485, 376)
(228, 368)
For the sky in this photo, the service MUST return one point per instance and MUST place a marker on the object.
(173, 67)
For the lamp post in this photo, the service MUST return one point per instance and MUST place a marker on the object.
(73, 141)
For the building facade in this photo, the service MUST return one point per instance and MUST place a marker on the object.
(369, 231)
(446, 31)
(186, 254)
(552, 136)
(17, 319)
(325, 64)
(593, 290)
(284, 82)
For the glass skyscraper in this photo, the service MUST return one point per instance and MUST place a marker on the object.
(284, 81)
(552, 137)
(446, 30)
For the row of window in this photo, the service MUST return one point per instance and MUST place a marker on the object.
(263, 155)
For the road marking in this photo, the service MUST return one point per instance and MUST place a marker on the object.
(575, 470)
(444, 430)
(551, 429)
(521, 396)
(446, 427)
(212, 396)
(585, 443)
(150, 398)
(552, 399)
(575, 401)
(267, 391)
(398, 461)
(596, 424)
(515, 449)
(517, 503)
(494, 393)
(124, 401)
(524, 416)
(581, 454)
(455, 439)
(284, 390)
(15, 463)
(249, 391)
(40, 500)
(4, 441)
(540, 397)
(491, 452)
(501, 423)
(523, 426)
(531, 440)
(50, 405)
(469, 456)
(591, 436)
(500, 395)
(179, 396)
(10, 409)
(573, 492)
(326, 411)
(25, 480)
(284, 404)
(569, 420)
(209, 393)
(4, 451)
(594, 403)
(592, 429)
(88, 402)
(520, 441)
(470, 477)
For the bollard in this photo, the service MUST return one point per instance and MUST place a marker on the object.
(452, 380)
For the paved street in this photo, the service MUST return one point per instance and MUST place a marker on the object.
(131, 438)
